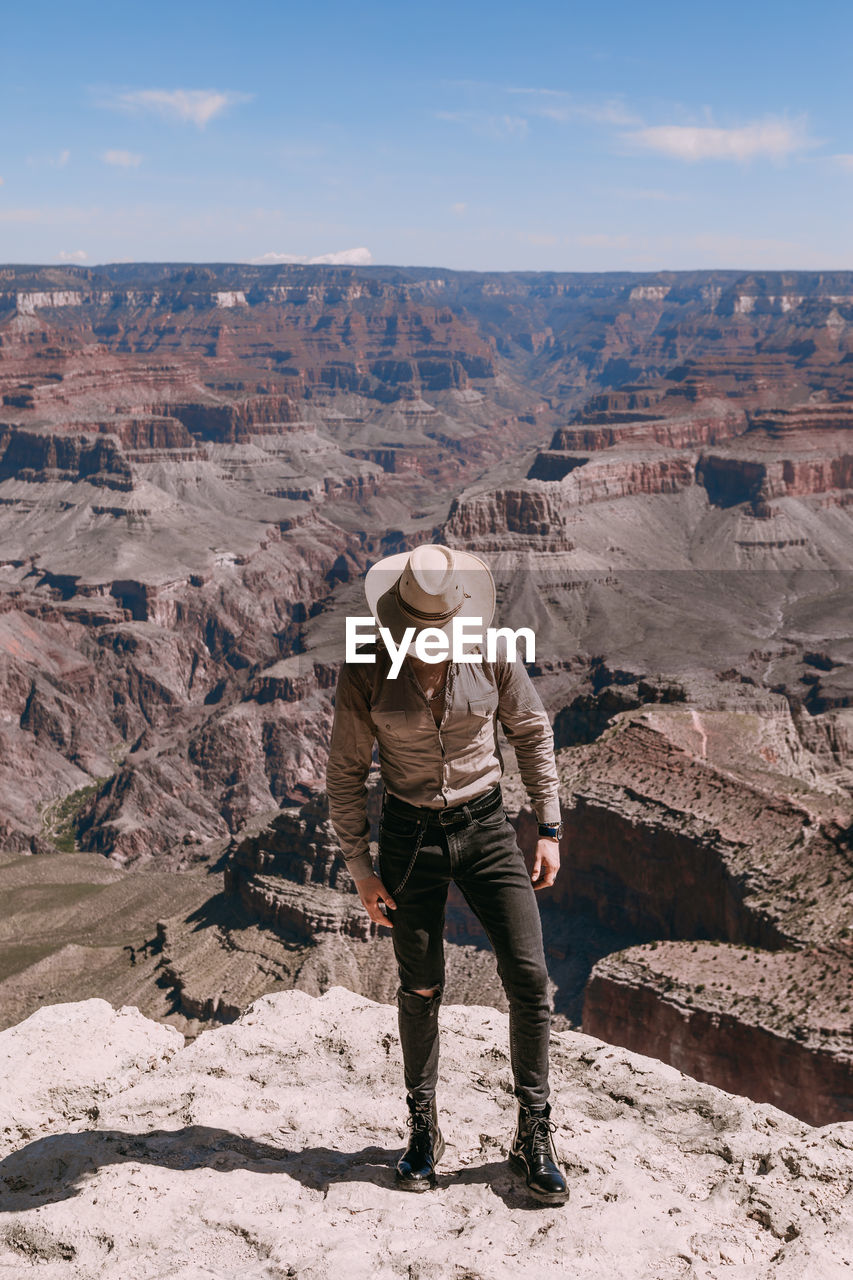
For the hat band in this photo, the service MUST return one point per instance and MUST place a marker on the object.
(428, 617)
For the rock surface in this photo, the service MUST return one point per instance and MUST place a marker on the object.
(694, 821)
(698, 823)
(775, 1026)
(265, 1150)
(74, 925)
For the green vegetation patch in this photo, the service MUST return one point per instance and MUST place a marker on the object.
(59, 818)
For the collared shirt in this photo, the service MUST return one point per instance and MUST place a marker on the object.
(428, 764)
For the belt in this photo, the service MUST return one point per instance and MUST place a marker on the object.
(454, 815)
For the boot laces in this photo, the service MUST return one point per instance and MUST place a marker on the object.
(419, 1117)
(540, 1130)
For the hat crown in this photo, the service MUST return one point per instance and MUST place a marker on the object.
(430, 583)
(429, 586)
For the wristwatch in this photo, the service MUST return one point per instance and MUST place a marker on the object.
(551, 830)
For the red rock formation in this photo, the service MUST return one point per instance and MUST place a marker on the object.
(532, 515)
(776, 1027)
(32, 457)
(668, 842)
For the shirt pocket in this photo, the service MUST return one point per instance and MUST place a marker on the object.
(481, 720)
(482, 709)
(392, 724)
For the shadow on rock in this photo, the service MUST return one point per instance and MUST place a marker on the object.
(60, 1165)
(501, 1179)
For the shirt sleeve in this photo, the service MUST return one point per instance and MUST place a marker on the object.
(528, 729)
(350, 753)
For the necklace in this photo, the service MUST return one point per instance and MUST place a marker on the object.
(432, 697)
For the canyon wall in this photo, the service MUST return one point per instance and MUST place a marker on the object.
(776, 1027)
(197, 464)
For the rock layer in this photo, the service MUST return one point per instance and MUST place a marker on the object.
(776, 1027)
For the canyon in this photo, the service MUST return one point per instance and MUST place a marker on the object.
(197, 466)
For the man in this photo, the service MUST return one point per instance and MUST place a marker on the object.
(442, 819)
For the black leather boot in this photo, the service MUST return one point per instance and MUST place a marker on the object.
(532, 1152)
(416, 1166)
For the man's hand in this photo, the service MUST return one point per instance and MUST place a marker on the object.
(372, 891)
(546, 863)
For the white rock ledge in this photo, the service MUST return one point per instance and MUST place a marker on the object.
(266, 1149)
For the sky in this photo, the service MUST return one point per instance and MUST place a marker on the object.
(544, 136)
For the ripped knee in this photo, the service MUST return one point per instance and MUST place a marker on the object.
(415, 999)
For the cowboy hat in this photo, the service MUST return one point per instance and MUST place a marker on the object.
(429, 587)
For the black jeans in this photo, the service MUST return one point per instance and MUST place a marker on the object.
(483, 858)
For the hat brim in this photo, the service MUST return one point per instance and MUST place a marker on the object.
(383, 604)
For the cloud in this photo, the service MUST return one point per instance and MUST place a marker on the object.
(76, 255)
(188, 106)
(57, 161)
(486, 124)
(352, 257)
(556, 104)
(774, 137)
(842, 160)
(610, 112)
(122, 159)
(459, 208)
(344, 257)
